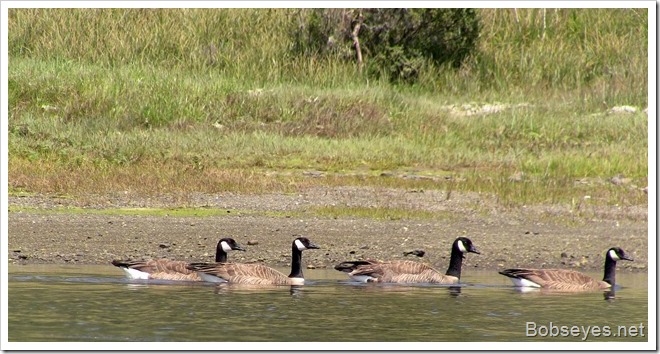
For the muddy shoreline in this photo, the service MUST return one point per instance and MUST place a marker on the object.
(540, 236)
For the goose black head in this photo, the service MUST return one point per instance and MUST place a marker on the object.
(229, 244)
(303, 243)
(464, 245)
(617, 254)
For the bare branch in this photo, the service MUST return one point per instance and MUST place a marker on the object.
(356, 41)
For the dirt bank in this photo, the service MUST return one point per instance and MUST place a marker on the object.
(540, 236)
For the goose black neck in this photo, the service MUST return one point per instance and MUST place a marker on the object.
(455, 263)
(296, 263)
(610, 271)
(220, 254)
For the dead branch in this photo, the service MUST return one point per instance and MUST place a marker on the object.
(356, 41)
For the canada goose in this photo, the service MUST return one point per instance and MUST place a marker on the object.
(173, 270)
(409, 271)
(258, 274)
(568, 280)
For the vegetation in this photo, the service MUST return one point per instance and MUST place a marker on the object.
(176, 101)
(330, 211)
(397, 43)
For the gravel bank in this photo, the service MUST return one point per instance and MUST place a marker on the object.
(540, 236)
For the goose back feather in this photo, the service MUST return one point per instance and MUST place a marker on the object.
(243, 273)
(554, 279)
(403, 272)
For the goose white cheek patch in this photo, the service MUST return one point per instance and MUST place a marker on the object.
(614, 256)
(300, 245)
(461, 246)
(225, 246)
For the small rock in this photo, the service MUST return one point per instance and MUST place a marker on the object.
(313, 173)
(620, 179)
(311, 266)
(564, 255)
(623, 109)
(162, 245)
(418, 253)
(252, 243)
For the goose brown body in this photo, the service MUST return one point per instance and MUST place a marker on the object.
(243, 273)
(558, 279)
(164, 269)
(403, 272)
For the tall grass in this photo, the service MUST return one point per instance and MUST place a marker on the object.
(102, 99)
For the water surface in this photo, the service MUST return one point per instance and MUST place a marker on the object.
(96, 303)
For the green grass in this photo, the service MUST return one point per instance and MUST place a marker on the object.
(377, 213)
(173, 212)
(183, 101)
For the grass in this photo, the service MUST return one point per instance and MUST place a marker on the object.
(378, 213)
(178, 212)
(183, 101)
(172, 212)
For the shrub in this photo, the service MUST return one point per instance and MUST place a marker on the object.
(394, 42)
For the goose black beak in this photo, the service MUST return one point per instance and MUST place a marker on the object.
(626, 258)
(473, 250)
(312, 246)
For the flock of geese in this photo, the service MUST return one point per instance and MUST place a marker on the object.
(397, 271)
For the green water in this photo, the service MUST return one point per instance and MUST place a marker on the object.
(96, 303)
